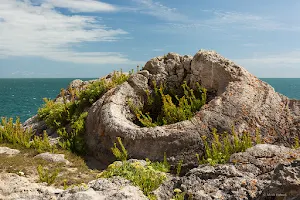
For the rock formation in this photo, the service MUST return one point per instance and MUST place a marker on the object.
(263, 171)
(236, 98)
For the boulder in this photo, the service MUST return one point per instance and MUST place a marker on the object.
(14, 187)
(35, 124)
(236, 98)
(262, 171)
(8, 151)
(57, 158)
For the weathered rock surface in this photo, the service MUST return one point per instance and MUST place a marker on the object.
(105, 189)
(236, 97)
(58, 158)
(36, 125)
(260, 172)
(8, 151)
(14, 187)
(285, 182)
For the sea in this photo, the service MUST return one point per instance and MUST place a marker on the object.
(22, 97)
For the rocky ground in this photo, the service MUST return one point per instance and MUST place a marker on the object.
(262, 172)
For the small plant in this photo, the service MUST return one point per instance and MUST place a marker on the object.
(296, 145)
(46, 176)
(13, 133)
(178, 168)
(147, 178)
(179, 195)
(119, 154)
(220, 149)
(42, 143)
(258, 137)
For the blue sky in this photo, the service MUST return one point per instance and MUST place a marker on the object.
(89, 38)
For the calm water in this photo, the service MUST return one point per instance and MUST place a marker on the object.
(22, 97)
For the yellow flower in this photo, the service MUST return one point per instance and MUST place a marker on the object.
(177, 190)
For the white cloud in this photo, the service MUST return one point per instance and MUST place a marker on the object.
(160, 11)
(240, 20)
(157, 49)
(219, 20)
(28, 29)
(82, 5)
(278, 59)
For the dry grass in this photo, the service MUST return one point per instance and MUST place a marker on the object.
(75, 173)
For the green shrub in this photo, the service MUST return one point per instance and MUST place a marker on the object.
(119, 154)
(55, 114)
(59, 115)
(14, 133)
(179, 195)
(42, 143)
(46, 176)
(220, 150)
(164, 107)
(147, 178)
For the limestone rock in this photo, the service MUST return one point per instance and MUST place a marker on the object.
(235, 97)
(285, 182)
(35, 124)
(261, 171)
(8, 151)
(58, 158)
(14, 187)
(106, 189)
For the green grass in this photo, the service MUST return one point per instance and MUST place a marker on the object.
(164, 106)
(73, 174)
(59, 115)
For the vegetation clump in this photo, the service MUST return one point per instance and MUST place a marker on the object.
(223, 146)
(59, 115)
(296, 143)
(147, 178)
(13, 133)
(46, 176)
(163, 106)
